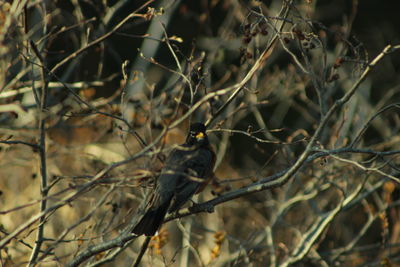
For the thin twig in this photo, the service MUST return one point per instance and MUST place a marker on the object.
(42, 154)
(264, 184)
(79, 222)
(17, 142)
(83, 188)
(208, 206)
(366, 125)
(102, 38)
(257, 65)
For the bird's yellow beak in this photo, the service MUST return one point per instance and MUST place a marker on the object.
(200, 135)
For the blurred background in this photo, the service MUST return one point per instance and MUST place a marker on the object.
(119, 72)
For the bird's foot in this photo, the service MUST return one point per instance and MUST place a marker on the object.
(209, 208)
(202, 207)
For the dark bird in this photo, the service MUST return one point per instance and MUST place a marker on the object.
(187, 171)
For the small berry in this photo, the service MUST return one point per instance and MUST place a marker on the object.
(246, 39)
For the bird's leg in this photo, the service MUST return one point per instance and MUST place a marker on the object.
(201, 207)
(194, 203)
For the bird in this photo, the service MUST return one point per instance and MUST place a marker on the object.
(186, 172)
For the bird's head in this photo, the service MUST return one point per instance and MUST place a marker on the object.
(197, 135)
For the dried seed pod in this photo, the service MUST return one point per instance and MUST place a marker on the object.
(264, 31)
(338, 63)
(299, 34)
(334, 77)
(249, 55)
(246, 39)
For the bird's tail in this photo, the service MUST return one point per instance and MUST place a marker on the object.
(151, 221)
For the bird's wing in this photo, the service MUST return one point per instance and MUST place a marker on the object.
(196, 168)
